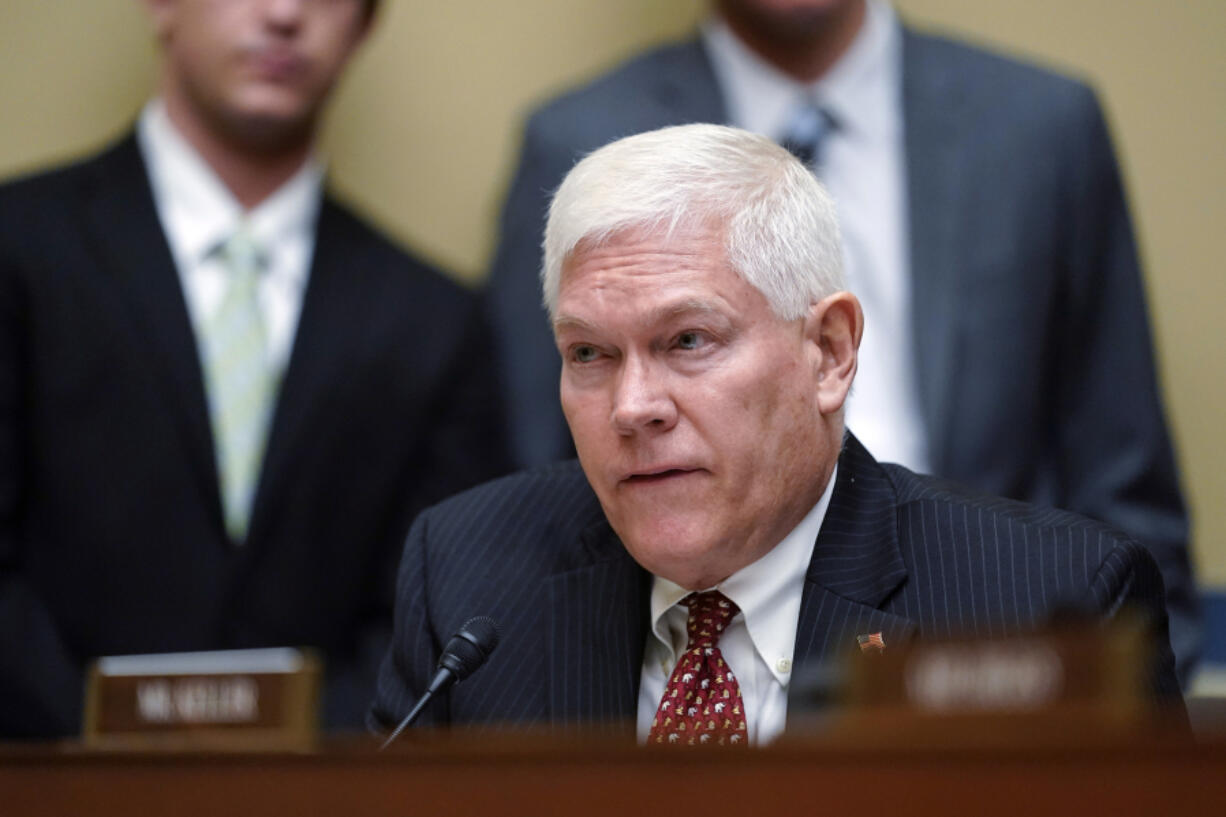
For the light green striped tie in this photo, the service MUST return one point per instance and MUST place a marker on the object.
(240, 382)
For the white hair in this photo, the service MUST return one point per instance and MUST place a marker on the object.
(778, 224)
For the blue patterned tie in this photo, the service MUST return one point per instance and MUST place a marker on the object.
(806, 134)
(240, 382)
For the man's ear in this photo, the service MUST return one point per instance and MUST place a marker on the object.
(365, 24)
(834, 327)
(161, 14)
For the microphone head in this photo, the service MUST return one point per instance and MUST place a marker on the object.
(470, 646)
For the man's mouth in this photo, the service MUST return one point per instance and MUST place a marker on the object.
(657, 476)
(278, 65)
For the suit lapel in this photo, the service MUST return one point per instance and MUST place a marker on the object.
(598, 618)
(330, 323)
(935, 190)
(856, 565)
(122, 220)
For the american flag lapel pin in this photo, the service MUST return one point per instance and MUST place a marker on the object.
(871, 642)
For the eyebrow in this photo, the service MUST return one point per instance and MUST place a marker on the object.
(688, 306)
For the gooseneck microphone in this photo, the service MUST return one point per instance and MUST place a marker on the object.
(464, 653)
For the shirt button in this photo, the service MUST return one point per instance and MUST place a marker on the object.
(784, 665)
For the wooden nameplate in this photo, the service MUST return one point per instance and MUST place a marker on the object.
(234, 699)
(1087, 678)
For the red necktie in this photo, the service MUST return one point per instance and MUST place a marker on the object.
(702, 702)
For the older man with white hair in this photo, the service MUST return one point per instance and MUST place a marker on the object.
(721, 529)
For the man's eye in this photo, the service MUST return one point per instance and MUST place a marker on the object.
(690, 340)
(585, 354)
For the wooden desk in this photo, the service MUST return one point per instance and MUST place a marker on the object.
(535, 775)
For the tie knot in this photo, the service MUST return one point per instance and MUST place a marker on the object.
(241, 251)
(806, 133)
(710, 613)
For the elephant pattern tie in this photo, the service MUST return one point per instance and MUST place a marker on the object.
(702, 701)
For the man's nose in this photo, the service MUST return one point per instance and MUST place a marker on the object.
(284, 13)
(642, 401)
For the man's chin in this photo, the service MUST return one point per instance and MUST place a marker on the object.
(271, 125)
(671, 549)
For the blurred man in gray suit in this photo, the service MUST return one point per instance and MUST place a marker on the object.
(1007, 343)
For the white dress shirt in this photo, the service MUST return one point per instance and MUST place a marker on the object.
(864, 168)
(758, 643)
(198, 214)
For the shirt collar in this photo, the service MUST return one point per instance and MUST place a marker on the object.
(767, 591)
(198, 210)
(859, 91)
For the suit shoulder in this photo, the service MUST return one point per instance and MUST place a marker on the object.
(28, 191)
(1057, 556)
(579, 116)
(992, 76)
(551, 494)
(41, 209)
(37, 184)
(622, 82)
(914, 490)
(548, 503)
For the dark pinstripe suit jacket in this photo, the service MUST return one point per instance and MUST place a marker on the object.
(899, 553)
(111, 531)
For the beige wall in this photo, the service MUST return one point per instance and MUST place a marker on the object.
(425, 128)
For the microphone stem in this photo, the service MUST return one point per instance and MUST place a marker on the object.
(412, 716)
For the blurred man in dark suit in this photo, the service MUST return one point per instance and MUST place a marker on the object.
(222, 395)
(720, 531)
(985, 232)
